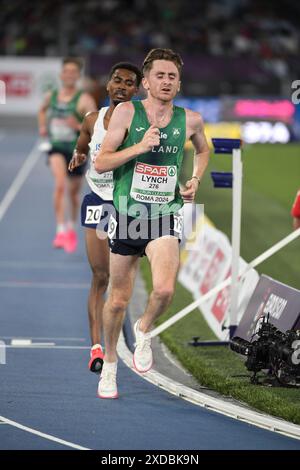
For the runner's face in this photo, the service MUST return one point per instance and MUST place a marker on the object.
(162, 81)
(122, 86)
(70, 74)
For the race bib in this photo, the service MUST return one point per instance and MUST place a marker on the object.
(178, 224)
(112, 227)
(103, 180)
(93, 214)
(153, 184)
(61, 131)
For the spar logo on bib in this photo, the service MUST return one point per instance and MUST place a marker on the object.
(151, 170)
(154, 184)
(172, 171)
(155, 172)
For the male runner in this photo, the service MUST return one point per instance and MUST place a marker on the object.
(295, 212)
(124, 81)
(144, 146)
(60, 118)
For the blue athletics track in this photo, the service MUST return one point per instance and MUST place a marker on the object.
(48, 397)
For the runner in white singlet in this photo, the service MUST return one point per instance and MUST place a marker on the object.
(124, 80)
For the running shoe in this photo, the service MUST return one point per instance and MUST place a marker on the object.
(59, 240)
(70, 241)
(107, 387)
(96, 360)
(142, 356)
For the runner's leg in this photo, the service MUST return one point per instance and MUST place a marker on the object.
(98, 257)
(122, 275)
(74, 187)
(163, 255)
(59, 170)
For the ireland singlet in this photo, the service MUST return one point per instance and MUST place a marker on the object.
(101, 184)
(61, 135)
(151, 179)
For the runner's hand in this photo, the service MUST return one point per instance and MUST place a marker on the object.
(150, 139)
(78, 159)
(188, 192)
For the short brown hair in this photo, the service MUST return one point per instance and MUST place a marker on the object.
(162, 54)
(73, 60)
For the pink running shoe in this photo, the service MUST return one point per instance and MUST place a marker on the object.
(59, 240)
(70, 241)
(96, 360)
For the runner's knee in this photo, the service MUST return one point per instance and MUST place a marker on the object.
(75, 197)
(74, 191)
(163, 293)
(59, 187)
(100, 277)
(118, 304)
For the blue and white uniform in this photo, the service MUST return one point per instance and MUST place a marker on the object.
(97, 204)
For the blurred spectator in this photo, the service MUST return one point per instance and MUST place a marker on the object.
(114, 24)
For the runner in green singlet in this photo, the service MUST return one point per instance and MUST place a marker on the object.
(60, 118)
(144, 147)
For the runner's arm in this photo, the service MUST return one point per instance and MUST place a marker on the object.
(42, 114)
(87, 128)
(82, 145)
(201, 154)
(108, 158)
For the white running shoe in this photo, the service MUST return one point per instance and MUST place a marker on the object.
(44, 145)
(107, 387)
(142, 357)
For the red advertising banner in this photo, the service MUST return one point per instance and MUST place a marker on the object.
(17, 84)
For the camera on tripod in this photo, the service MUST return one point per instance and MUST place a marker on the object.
(273, 350)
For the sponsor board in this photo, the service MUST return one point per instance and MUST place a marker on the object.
(25, 82)
(207, 264)
(271, 297)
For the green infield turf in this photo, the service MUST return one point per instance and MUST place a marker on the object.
(270, 182)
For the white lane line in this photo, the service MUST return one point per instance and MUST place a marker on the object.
(19, 180)
(42, 338)
(42, 434)
(43, 285)
(45, 346)
(21, 342)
